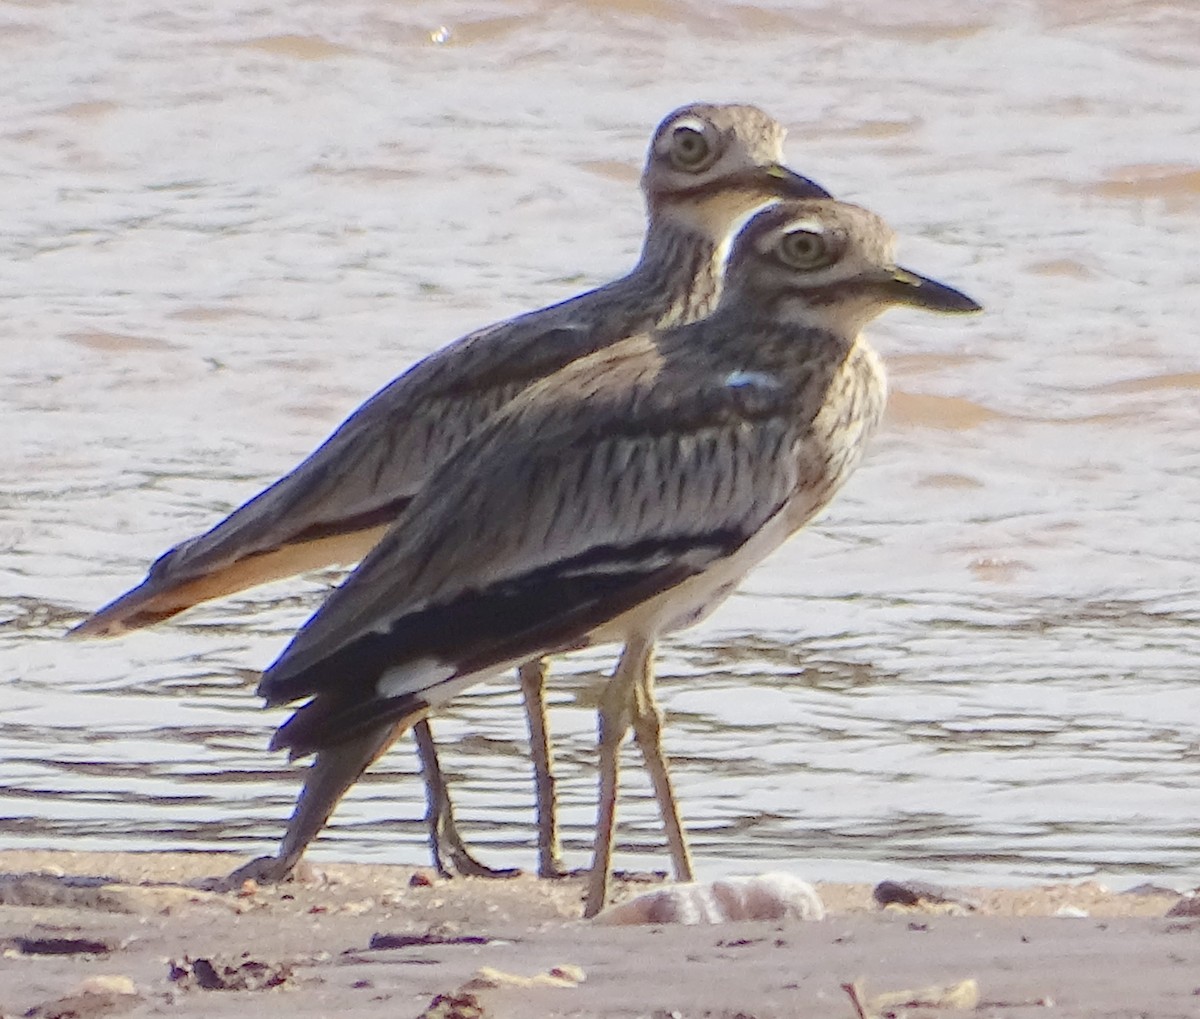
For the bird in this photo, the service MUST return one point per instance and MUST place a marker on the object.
(622, 498)
(708, 166)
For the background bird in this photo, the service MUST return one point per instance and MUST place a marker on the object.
(620, 499)
(708, 166)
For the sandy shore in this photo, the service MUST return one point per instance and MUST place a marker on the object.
(140, 936)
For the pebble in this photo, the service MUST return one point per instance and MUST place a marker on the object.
(120, 985)
(922, 894)
(774, 896)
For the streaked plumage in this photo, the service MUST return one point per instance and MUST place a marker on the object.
(622, 498)
(708, 166)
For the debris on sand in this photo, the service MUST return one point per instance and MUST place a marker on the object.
(558, 976)
(53, 892)
(60, 946)
(95, 998)
(464, 1003)
(383, 941)
(454, 1006)
(245, 974)
(963, 996)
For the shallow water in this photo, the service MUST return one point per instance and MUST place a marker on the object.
(222, 230)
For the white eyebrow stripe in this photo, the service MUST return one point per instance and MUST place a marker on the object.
(691, 123)
(812, 226)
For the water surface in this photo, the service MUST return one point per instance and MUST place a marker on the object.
(223, 229)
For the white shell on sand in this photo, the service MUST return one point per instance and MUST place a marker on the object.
(774, 896)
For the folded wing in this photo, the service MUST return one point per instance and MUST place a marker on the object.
(592, 493)
(335, 506)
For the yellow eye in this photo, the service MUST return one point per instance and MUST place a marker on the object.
(689, 148)
(804, 249)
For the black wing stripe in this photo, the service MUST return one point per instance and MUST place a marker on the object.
(384, 514)
(342, 713)
(547, 609)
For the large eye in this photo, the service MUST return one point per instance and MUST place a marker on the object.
(689, 148)
(805, 249)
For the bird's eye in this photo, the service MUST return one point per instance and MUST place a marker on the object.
(689, 148)
(804, 249)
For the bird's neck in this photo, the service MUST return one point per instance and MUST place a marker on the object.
(677, 278)
(761, 334)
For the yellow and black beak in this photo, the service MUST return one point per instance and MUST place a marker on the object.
(917, 291)
(788, 184)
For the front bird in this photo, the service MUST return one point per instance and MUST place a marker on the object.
(622, 498)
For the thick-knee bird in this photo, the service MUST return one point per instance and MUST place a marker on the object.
(621, 498)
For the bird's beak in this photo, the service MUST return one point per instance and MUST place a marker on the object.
(786, 183)
(917, 291)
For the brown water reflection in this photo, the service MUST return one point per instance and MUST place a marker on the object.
(225, 226)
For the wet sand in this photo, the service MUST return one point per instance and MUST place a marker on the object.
(69, 920)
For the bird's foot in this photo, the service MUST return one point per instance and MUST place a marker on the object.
(452, 858)
(457, 862)
(555, 870)
(267, 870)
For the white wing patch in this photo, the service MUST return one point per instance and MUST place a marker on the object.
(741, 379)
(413, 677)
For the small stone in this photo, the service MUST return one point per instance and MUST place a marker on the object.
(1149, 888)
(458, 1005)
(569, 973)
(774, 896)
(1188, 905)
(922, 894)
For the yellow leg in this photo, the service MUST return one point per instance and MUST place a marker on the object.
(446, 845)
(615, 718)
(533, 686)
(647, 730)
